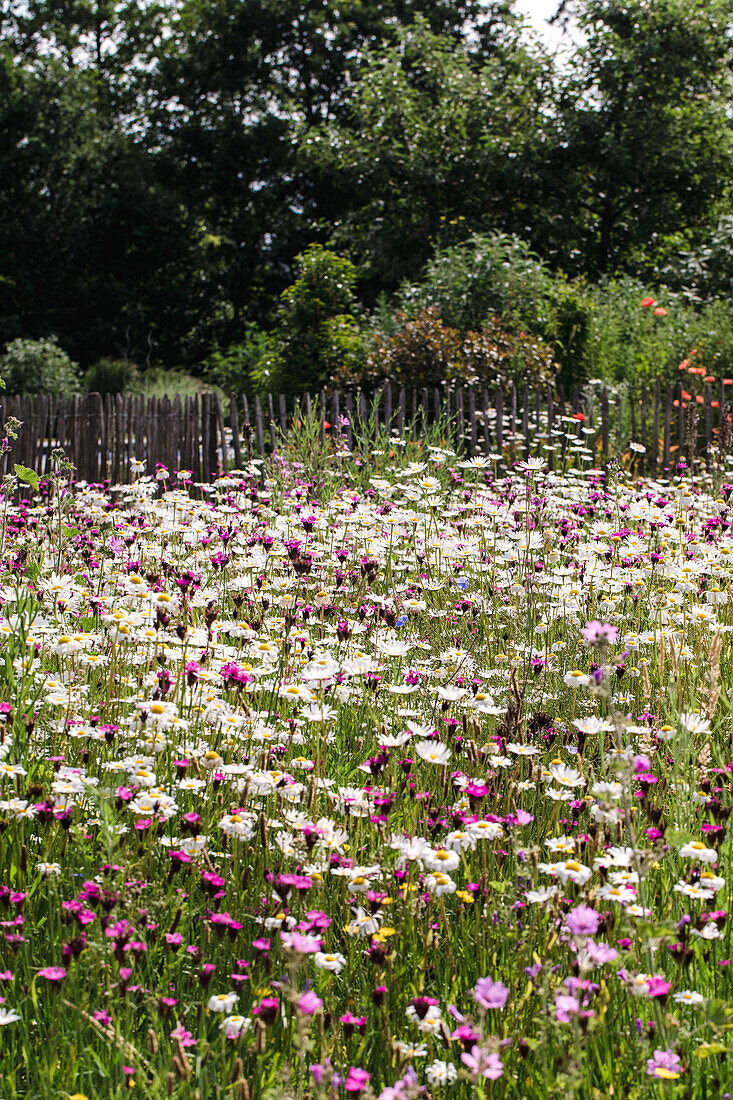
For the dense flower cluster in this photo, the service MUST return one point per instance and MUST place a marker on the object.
(392, 783)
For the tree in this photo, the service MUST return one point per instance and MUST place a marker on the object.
(238, 81)
(641, 147)
(95, 246)
(431, 145)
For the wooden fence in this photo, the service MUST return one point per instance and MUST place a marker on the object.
(101, 435)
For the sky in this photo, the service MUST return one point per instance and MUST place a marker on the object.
(538, 12)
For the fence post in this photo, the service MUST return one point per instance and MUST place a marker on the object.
(460, 422)
(525, 420)
(667, 429)
(499, 403)
(642, 436)
(273, 426)
(222, 435)
(350, 418)
(259, 427)
(234, 422)
(472, 419)
(205, 439)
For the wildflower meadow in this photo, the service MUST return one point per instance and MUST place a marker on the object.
(387, 774)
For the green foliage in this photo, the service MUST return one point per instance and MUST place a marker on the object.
(487, 275)
(627, 342)
(567, 328)
(237, 367)
(110, 376)
(158, 382)
(162, 167)
(425, 352)
(38, 366)
(498, 275)
(317, 336)
(433, 143)
(344, 348)
(704, 273)
(641, 141)
(26, 476)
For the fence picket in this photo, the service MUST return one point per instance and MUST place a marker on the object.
(234, 424)
(487, 426)
(259, 426)
(472, 420)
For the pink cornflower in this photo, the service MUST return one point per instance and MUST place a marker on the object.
(303, 945)
(481, 1064)
(598, 634)
(357, 1080)
(565, 1007)
(664, 1064)
(309, 1004)
(185, 1038)
(582, 921)
(490, 994)
(52, 973)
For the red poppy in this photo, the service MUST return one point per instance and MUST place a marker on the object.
(709, 378)
(580, 416)
(648, 302)
(659, 312)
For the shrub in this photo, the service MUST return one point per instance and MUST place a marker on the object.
(424, 352)
(485, 276)
(631, 342)
(492, 354)
(158, 382)
(110, 376)
(317, 336)
(567, 329)
(237, 368)
(38, 366)
(497, 275)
